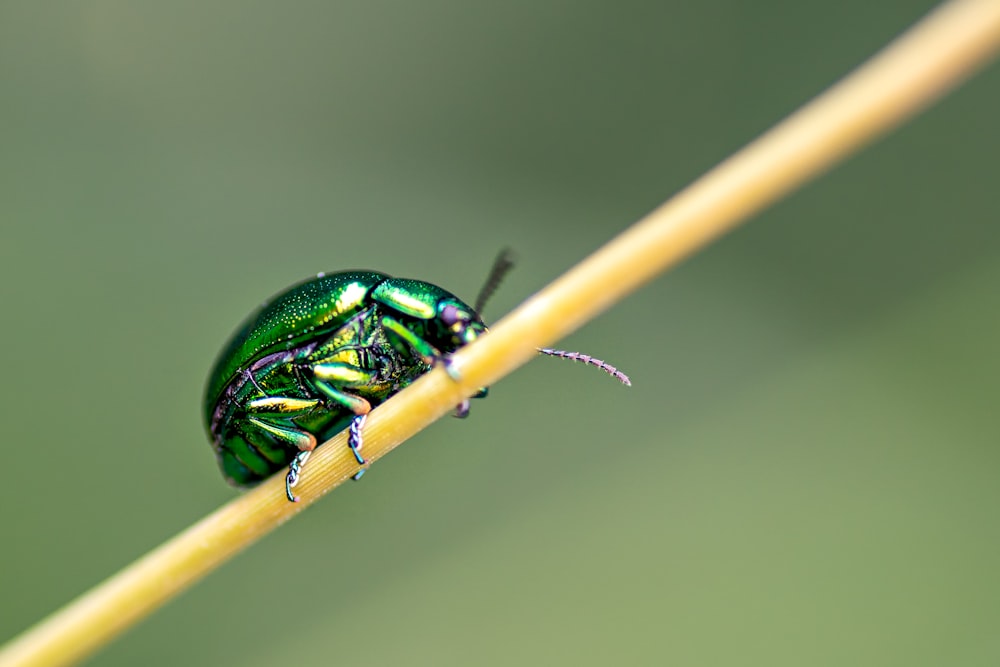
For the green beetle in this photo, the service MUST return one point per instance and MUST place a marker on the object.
(316, 358)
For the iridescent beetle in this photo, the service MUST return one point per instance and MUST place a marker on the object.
(316, 358)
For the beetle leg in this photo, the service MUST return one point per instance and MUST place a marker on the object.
(427, 352)
(329, 377)
(305, 442)
(342, 375)
(301, 440)
(292, 478)
(271, 415)
(462, 409)
(280, 406)
(355, 442)
(430, 356)
(356, 404)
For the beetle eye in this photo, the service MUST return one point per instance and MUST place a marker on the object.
(449, 315)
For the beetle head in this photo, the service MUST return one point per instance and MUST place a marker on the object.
(460, 323)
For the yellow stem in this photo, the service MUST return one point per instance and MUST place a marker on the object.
(931, 58)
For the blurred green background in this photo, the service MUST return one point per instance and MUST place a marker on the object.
(805, 471)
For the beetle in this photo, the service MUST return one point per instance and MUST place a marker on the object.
(317, 357)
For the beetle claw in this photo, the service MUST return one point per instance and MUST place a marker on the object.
(294, 470)
(450, 369)
(354, 440)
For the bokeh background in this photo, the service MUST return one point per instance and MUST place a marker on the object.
(805, 472)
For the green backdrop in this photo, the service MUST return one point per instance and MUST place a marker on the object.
(805, 471)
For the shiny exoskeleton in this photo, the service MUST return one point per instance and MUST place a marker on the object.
(316, 358)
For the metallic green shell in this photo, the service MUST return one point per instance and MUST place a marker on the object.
(305, 310)
(331, 321)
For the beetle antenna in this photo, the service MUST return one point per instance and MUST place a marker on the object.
(501, 265)
(590, 361)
